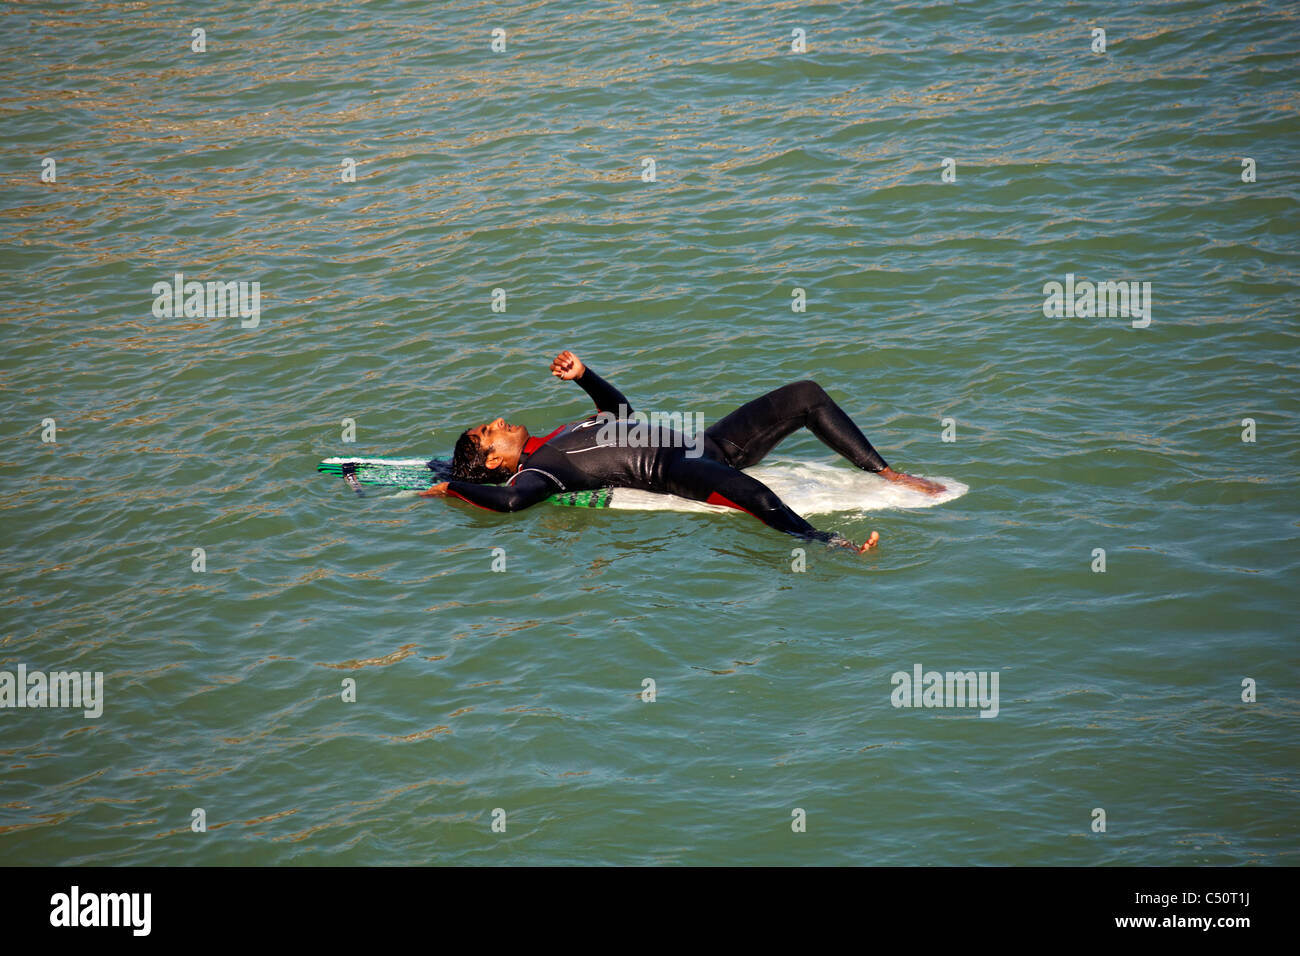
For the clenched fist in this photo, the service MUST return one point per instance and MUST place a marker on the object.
(567, 366)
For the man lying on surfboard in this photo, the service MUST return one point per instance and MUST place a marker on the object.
(574, 457)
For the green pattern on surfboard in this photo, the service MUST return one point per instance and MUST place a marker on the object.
(416, 475)
(596, 498)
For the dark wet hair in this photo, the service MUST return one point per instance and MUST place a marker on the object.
(469, 463)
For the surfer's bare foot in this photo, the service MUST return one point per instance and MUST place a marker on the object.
(842, 542)
(911, 481)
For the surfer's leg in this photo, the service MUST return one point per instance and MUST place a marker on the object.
(744, 437)
(710, 481)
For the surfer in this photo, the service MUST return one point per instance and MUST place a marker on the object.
(574, 458)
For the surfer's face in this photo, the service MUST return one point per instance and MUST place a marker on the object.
(500, 442)
(495, 434)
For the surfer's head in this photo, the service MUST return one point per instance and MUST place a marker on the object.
(488, 453)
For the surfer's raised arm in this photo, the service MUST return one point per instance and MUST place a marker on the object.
(568, 367)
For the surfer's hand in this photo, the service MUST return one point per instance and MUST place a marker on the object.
(566, 366)
(437, 491)
(911, 481)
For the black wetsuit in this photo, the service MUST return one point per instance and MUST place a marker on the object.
(573, 458)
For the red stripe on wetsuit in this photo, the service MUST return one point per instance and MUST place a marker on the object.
(717, 499)
(532, 444)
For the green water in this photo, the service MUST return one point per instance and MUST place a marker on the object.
(519, 689)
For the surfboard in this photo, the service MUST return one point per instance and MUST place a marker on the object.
(807, 487)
